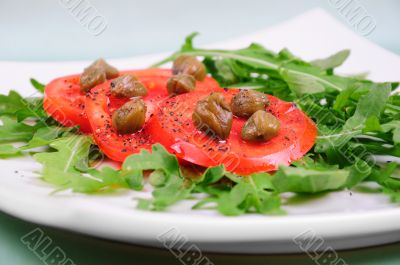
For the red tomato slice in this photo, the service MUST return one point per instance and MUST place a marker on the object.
(172, 126)
(100, 106)
(66, 104)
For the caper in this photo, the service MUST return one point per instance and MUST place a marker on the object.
(127, 86)
(130, 117)
(97, 73)
(261, 126)
(111, 71)
(247, 102)
(186, 64)
(92, 77)
(213, 115)
(179, 84)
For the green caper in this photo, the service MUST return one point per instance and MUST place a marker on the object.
(213, 115)
(247, 102)
(261, 126)
(111, 71)
(179, 84)
(97, 73)
(127, 86)
(92, 77)
(130, 117)
(186, 64)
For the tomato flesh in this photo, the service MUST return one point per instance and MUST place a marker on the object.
(100, 106)
(172, 126)
(64, 102)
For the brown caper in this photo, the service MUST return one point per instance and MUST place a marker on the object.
(97, 73)
(92, 77)
(111, 71)
(130, 117)
(261, 126)
(186, 64)
(247, 102)
(179, 84)
(127, 86)
(213, 115)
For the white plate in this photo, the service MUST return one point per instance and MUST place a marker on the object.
(342, 219)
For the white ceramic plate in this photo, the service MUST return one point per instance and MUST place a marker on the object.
(343, 219)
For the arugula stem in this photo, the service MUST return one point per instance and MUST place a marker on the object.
(253, 185)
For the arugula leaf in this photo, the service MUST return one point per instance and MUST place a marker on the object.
(332, 61)
(251, 194)
(385, 177)
(7, 151)
(173, 186)
(257, 59)
(32, 110)
(15, 105)
(173, 190)
(44, 136)
(368, 106)
(301, 84)
(358, 172)
(11, 103)
(212, 175)
(37, 85)
(158, 159)
(304, 180)
(13, 131)
(59, 166)
(394, 127)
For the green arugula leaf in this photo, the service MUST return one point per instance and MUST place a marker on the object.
(44, 136)
(37, 85)
(158, 159)
(11, 103)
(32, 110)
(7, 151)
(59, 166)
(358, 172)
(212, 175)
(257, 59)
(304, 180)
(15, 105)
(332, 61)
(394, 127)
(251, 194)
(173, 190)
(368, 106)
(13, 131)
(172, 187)
(385, 176)
(301, 84)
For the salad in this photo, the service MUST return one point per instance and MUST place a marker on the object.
(232, 129)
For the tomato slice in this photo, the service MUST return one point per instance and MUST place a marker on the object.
(64, 101)
(100, 106)
(172, 126)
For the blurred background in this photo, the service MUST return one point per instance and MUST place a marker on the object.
(51, 29)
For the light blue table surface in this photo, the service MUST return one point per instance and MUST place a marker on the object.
(46, 30)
